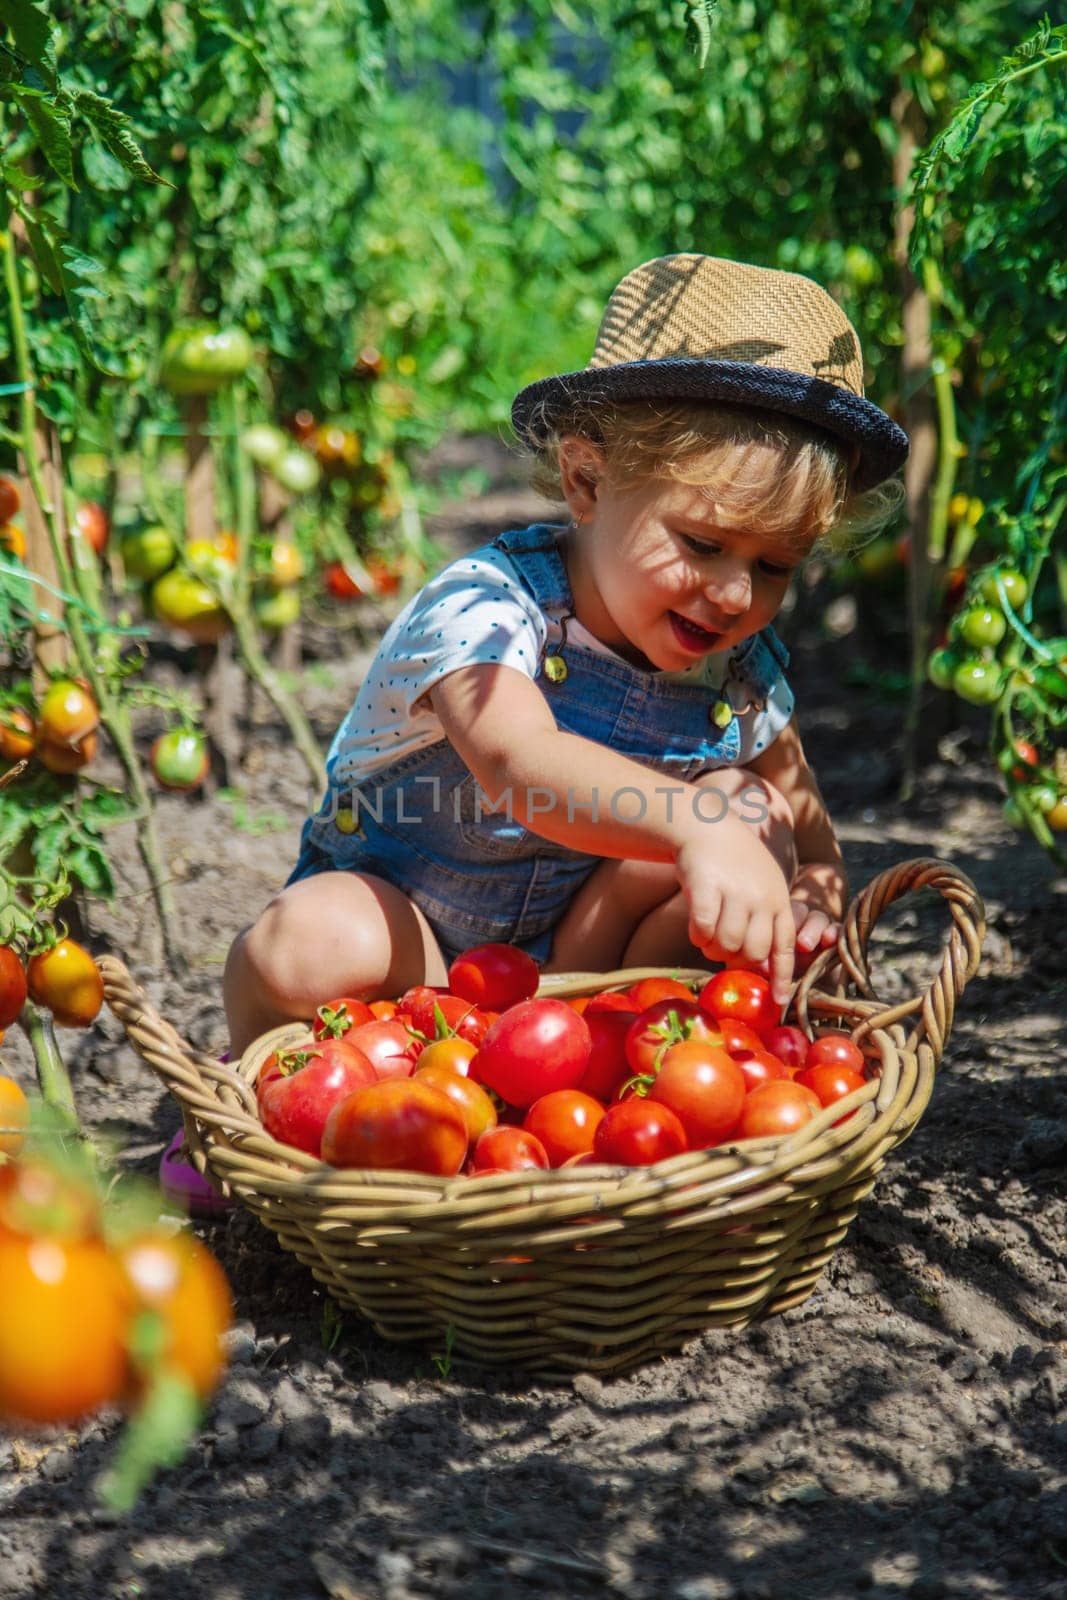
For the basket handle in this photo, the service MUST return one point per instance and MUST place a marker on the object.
(936, 1006)
(206, 1089)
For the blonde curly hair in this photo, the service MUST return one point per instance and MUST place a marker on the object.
(774, 471)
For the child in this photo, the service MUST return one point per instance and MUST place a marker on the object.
(580, 739)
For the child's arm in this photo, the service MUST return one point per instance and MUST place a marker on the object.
(819, 891)
(501, 726)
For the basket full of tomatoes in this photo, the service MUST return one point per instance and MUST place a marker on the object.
(574, 1171)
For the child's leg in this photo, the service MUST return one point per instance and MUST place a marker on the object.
(633, 914)
(332, 934)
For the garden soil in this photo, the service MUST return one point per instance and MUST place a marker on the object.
(902, 1433)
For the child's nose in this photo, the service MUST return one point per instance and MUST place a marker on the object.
(731, 589)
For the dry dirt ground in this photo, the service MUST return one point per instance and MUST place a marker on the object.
(901, 1433)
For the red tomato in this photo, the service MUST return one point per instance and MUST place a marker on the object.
(704, 1087)
(738, 1038)
(836, 1050)
(777, 1108)
(399, 1126)
(337, 1018)
(479, 1112)
(496, 975)
(10, 498)
(12, 985)
(66, 1309)
(789, 1044)
(607, 1068)
(18, 733)
(383, 1010)
(745, 996)
(419, 992)
(533, 1048)
(67, 981)
(760, 1066)
(611, 1000)
(338, 582)
(638, 1132)
(429, 1014)
(93, 525)
(664, 1023)
(565, 1121)
(297, 1089)
(388, 1046)
(508, 1150)
(646, 991)
(830, 1082)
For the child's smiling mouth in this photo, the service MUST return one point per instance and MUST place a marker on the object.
(691, 636)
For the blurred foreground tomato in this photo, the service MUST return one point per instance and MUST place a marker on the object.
(179, 1284)
(14, 1116)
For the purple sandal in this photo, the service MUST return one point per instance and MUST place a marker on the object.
(186, 1189)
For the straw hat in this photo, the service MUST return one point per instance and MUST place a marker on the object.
(692, 327)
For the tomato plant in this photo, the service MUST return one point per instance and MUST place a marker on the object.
(398, 1126)
(297, 1089)
(533, 1048)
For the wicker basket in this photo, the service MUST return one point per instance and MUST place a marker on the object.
(590, 1268)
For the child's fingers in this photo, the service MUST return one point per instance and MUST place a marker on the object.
(759, 937)
(782, 955)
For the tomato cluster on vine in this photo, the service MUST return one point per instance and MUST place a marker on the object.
(482, 1075)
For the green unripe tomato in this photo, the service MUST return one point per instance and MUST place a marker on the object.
(180, 759)
(977, 681)
(297, 470)
(148, 553)
(265, 444)
(982, 626)
(1042, 796)
(278, 610)
(182, 601)
(203, 359)
(941, 667)
(1015, 586)
(860, 266)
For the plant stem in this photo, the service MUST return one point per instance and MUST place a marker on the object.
(52, 1073)
(259, 668)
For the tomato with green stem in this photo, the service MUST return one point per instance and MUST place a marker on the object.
(66, 980)
(67, 713)
(297, 1089)
(704, 1087)
(1016, 587)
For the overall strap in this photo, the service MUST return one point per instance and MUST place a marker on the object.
(539, 565)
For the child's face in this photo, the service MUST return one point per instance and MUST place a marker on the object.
(662, 575)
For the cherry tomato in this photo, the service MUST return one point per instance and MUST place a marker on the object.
(286, 564)
(63, 1322)
(1015, 587)
(14, 1117)
(10, 498)
(66, 758)
(775, 1108)
(830, 1082)
(388, 1045)
(533, 1048)
(397, 1126)
(479, 1112)
(508, 1150)
(18, 733)
(496, 975)
(297, 1089)
(637, 1132)
(12, 985)
(67, 981)
(789, 1044)
(68, 712)
(611, 1000)
(664, 1023)
(184, 601)
(1056, 816)
(13, 540)
(173, 1276)
(834, 1049)
(1019, 761)
(565, 1121)
(92, 523)
(981, 625)
(607, 1068)
(704, 1087)
(760, 1066)
(978, 681)
(180, 759)
(428, 1012)
(335, 1019)
(744, 996)
(148, 553)
(338, 582)
(646, 991)
(454, 1055)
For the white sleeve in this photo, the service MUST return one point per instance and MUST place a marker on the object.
(475, 610)
(760, 728)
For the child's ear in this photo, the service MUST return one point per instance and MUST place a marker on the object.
(580, 466)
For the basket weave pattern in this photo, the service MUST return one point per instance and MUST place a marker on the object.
(590, 1268)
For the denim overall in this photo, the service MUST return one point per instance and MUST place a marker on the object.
(478, 875)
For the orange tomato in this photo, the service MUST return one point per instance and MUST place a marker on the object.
(13, 540)
(68, 713)
(451, 1055)
(14, 1116)
(175, 1277)
(66, 758)
(477, 1109)
(10, 498)
(67, 980)
(63, 1321)
(778, 1107)
(18, 733)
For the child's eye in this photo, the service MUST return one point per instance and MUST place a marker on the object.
(774, 570)
(700, 547)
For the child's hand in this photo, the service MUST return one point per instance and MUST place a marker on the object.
(817, 893)
(739, 907)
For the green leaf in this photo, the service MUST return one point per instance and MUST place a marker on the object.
(114, 130)
(88, 865)
(50, 121)
(32, 32)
